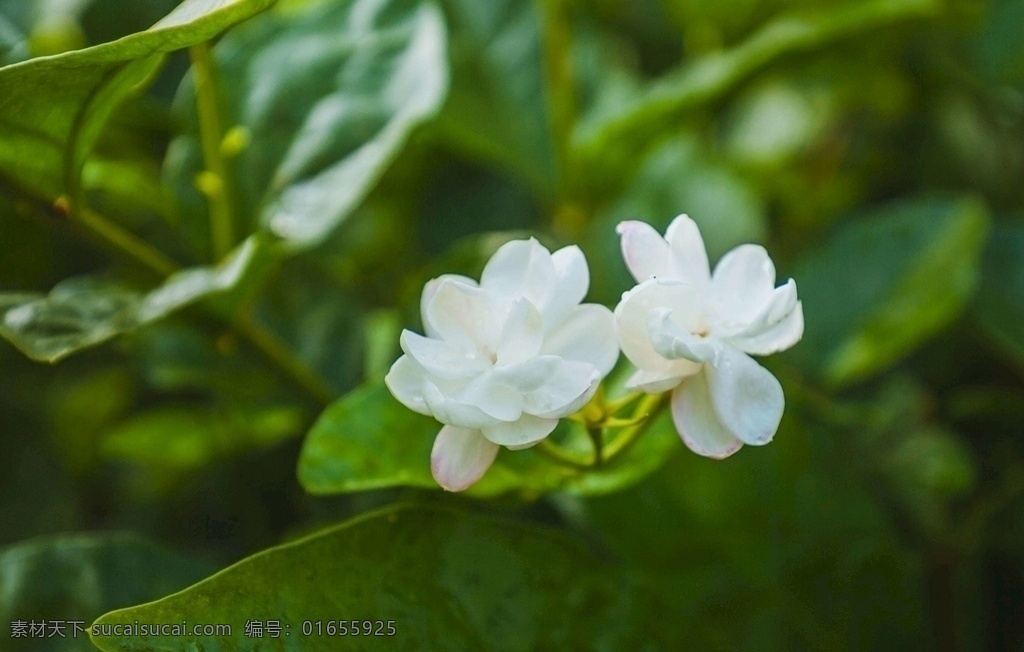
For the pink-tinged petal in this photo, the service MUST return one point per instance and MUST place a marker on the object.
(747, 397)
(644, 251)
(779, 337)
(563, 392)
(586, 335)
(428, 293)
(460, 457)
(522, 334)
(528, 375)
(689, 257)
(521, 268)
(526, 431)
(653, 382)
(454, 412)
(571, 284)
(405, 381)
(698, 423)
(438, 358)
(467, 318)
(674, 342)
(631, 317)
(742, 285)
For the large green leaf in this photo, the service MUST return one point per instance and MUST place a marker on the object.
(446, 581)
(53, 108)
(77, 577)
(330, 93)
(367, 440)
(887, 282)
(82, 312)
(709, 78)
(999, 308)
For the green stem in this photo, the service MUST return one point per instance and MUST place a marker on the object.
(211, 134)
(597, 436)
(561, 456)
(558, 77)
(647, 409)
(123, 241)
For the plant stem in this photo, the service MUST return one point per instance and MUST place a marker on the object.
(597, 436)
(211, 133)
(558, 77)
(648, 409)
(277, 352)
(561, 456)
(124, 242)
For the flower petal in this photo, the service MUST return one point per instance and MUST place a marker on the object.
(573, 281)
(428, 293)
(698, 423)
(528, 429)
(674, 342)
(742, 285)
(644, 251)
(522, 334)
(779, 337)
(563, 392)
(521, 268)
(467, 318)
(454, 412)
(438, 359)
(631, 317)
(460, 457)
(528, 375)
(405, 380)
(689, 257)
(653, 382)
(586, 335)
(747, 397)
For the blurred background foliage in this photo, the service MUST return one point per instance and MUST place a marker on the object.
(876, 147)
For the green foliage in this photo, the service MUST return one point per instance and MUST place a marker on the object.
(395, 565)
(999, 308)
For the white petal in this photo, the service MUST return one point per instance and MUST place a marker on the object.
(653, 382)
(586, 335)
(428, 293)
(522, 334)
(526, 431)
(454, 412)
(467, 318)
(631, 323)
(698, 423)
(779, 337)
(521, 268)
(405, 380)
(747, 397)
(573, 280)
(491, 396)
(565, 391)
(528, 375)
(644, 251)
(460, 457)
(438, 358)
(742, 286)
(674, 342)
(689, 257)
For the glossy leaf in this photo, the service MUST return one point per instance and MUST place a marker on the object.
(77, 577)
(53, 108)
(367, 440)
(886, 283)
(447, 580)
(83, 312)
(999, 308)
(330, 92)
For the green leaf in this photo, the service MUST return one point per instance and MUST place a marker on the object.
(887, 282)
(709, 78)
(77, 577)
(83, 312)
(368, 440)
(496, 108)
(447, 580)
(182, 439)
(999, 308)
(330, 92)
(77, 91)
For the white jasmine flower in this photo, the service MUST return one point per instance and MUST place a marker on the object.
(690, 331)
(503, 360)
